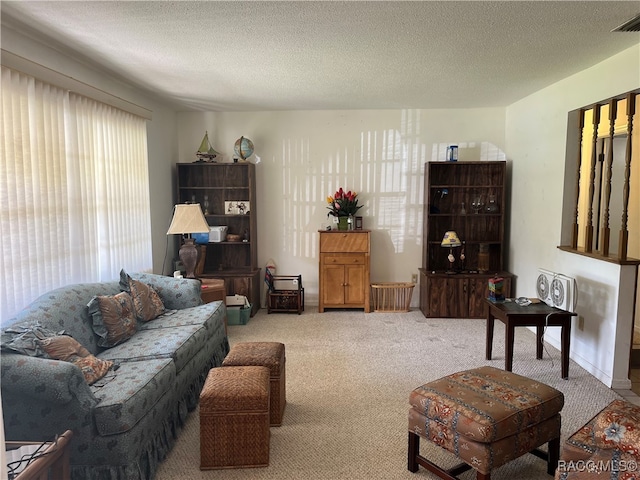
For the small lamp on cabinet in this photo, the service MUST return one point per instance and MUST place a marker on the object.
(451, 240)
(188, 219)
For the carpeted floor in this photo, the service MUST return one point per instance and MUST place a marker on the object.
(349, 376)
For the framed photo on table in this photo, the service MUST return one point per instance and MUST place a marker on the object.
(237, 207)
(358, 223)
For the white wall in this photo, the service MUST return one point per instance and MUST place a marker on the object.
(305, 156)
(162, 135)
(536, 133)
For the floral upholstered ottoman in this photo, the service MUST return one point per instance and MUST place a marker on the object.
(606, 447)
(486, 417)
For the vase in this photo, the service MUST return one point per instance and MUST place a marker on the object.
(492, 206)
(343, 223)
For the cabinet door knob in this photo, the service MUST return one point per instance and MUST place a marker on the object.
(344, 235)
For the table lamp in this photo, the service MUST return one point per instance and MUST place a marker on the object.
(188, 219)
(451, 240)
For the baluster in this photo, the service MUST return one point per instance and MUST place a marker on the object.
(574, 232)
(624, 233)
(606, 231)
(588, 247)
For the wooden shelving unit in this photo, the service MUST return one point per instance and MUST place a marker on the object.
(213, 186)
(451, 193)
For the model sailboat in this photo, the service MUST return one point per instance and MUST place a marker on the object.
(206, 153)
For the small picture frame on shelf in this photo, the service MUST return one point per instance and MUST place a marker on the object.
(358, 223)
(236, 207)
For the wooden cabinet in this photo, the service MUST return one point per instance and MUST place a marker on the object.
(468, 198)
(344, 269)
(227, 194)
(456, 296)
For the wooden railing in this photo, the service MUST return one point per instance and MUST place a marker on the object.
(604, 190)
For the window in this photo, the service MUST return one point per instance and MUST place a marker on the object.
(74, 190)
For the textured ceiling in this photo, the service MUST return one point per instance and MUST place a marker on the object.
(307, 55)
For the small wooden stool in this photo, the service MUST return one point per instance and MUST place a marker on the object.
(266, 354)
(234, 418)
(486, 417)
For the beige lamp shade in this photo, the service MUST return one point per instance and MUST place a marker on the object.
(188, 218)
(451, 240)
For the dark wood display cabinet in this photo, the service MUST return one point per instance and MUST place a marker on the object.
(226, 193)
(469, 199)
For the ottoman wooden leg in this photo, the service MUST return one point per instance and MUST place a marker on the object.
(414, 448)
(551, 456)
(554, 456)
(414, 461)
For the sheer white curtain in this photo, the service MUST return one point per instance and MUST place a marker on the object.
(74, 191)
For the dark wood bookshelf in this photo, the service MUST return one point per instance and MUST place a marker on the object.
(213, 185)
(451, 189)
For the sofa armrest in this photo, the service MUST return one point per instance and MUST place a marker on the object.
(42, 397)
(175, 293)
(44, 381)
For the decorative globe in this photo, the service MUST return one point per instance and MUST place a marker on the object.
(243, 148)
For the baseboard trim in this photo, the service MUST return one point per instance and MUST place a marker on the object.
(622, 384)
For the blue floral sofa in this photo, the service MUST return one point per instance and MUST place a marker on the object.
(125, 422)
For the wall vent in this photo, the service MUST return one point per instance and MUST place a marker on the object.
(632, 25)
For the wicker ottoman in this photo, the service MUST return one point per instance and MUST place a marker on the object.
(486, 417)
(266, 354)
(234, 418)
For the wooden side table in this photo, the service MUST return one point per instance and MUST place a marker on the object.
(53, 463)
(538, 315)
(213, 289)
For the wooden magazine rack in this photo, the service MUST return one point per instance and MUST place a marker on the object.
(288, 299)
